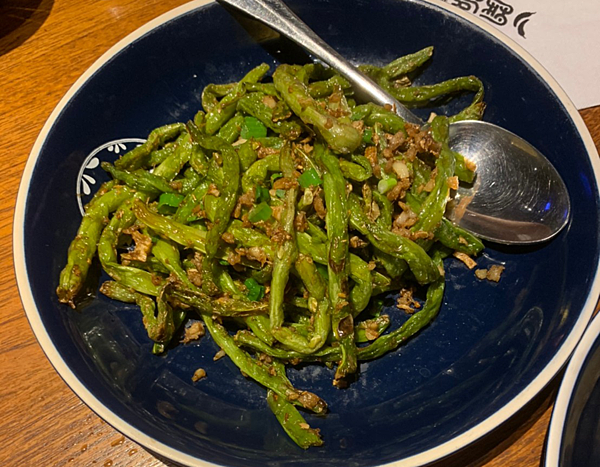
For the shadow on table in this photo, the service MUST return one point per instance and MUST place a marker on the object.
(19, 20)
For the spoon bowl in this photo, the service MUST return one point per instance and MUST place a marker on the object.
(518, 197)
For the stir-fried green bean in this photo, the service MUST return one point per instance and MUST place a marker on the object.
(276, 215)
(342, 323)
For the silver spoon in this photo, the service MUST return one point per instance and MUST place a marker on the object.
(517, 198)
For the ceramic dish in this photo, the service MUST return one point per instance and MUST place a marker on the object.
(493, 346)
(574, 435)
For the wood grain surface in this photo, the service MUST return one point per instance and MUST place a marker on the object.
(45, 46)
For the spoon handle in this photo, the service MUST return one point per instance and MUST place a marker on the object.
(277, 15)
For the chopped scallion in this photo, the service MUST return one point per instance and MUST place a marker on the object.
(260, 212)
(253, 128)
(262, 194)
(169, 202)
(309, 178)
(255, 290)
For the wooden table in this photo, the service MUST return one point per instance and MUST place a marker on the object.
(45, 45)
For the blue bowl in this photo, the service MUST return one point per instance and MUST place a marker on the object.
(575, 425)
(490, 351)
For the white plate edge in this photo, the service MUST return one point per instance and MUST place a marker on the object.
(565, 392)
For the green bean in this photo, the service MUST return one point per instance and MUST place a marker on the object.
(228, 285)
(284, 256)
(173, 164)
(258, 171)
(212, 92)
(160, 327)
(407, 63)
(415, 95)
(325, 88)
(422, 174)
(272, 142)
(247, 155)
(265, 88)
(325, 354)
(381, 283)
(264, 274)
(221, 306)
(414, 324)
(287, 251)
(385, 210)
(370, 329)
(190, 180)
(228, 190)
(358, 170)
(186, 236)
(292, 339)
(159, 155)
(230, 131)
(138, 157)
(458, 239)
(334, 188)
(380, 346)
(341, 136)
(461, 170)
(372, 114)
(137, 279)
(420, 95)
(211, 273)
(394, 266)
(253, 104)
(199, 160)
(451, 235)
(314, 283)
(402, 248)
(360, 295)
(189, 208)
(292, 422)
(152, 265)
(319, 306)
(434, 206)
(260, 325)
(358, 268)
(250, 237)
(381, 159)
(168, 255)
(139, 180)
(222, 111)
(248, 366)
(83, 247)
(317, 233)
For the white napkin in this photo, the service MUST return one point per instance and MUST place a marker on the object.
(564, 36)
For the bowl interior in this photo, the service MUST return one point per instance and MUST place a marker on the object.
(580, 399)
(490, 341)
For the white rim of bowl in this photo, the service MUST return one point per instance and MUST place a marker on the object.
(431, 455)
(565, 393)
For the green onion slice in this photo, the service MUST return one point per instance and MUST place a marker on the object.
(169, 202)
(255, 290)
(260, 212)
(253, 128)
(309, 178)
